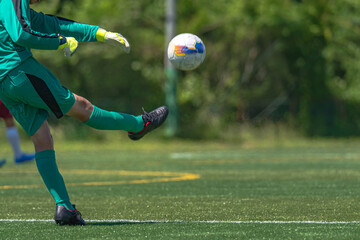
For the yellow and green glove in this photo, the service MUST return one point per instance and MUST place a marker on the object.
(114, 39)
(69, 45)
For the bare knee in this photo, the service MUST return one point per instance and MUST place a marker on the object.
(81, 109)
(42, 139)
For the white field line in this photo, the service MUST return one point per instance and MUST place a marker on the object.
(219, 154)
(182, 221)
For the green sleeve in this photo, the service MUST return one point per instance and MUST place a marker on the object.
(68, 28)
(16, 20)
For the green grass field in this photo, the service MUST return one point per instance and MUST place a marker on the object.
(191, 190)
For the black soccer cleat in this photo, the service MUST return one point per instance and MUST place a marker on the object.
(152, 120)
(64, 216)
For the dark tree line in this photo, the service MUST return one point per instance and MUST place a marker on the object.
(294, 62)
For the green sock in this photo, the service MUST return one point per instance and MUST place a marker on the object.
(46, 164)
(106, 120)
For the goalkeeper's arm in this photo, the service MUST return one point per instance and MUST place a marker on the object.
(81, 32)
(65, 27)
(18, 26)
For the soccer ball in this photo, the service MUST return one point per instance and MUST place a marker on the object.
(186, 51)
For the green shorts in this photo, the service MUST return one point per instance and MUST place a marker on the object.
(31, 91)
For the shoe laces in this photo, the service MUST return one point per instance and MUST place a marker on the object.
(147, 117)
(79, 213)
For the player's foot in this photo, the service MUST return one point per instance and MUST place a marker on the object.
(152, 120)
(2, 162)
(25, 157)
(64, 216)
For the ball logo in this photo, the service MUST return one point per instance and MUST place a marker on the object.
(186, 51)
(181, 50)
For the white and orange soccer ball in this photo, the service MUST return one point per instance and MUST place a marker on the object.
(186, 51)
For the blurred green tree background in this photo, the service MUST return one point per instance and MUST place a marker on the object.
(281, 61)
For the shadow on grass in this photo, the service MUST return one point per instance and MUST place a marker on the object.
(116, 223)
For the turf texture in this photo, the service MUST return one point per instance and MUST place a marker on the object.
(174, 190)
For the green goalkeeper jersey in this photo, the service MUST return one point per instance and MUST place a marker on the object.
(22, 29)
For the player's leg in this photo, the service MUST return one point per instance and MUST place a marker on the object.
(104, 120)
(34, 122)
(26, 91)
(47, 93)
(13, 137)
(46, 163)
(137, 126)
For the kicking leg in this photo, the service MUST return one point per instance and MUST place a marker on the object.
(104, 120)
(97, 118)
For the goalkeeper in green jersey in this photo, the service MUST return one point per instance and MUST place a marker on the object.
(30, 91)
